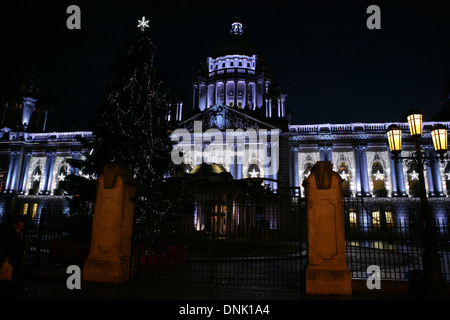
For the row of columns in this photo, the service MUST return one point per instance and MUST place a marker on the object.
(398, 189)
(236, 167)
(17, 178)
(207, 99)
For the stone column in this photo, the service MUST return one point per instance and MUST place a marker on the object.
(48, 172)
(9, 177)
(15, 168)
(365, 190)
(294, 174)
(400, 179)
(327, 272)
(325, 153)
(254, 96)
(394, 191)
(245, 100)
(194, 97)
(109, 257)
(235, 93)
(24, 177)
(225, 96)
(358, 170)
(439, 191)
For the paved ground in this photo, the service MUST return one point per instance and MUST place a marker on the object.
(168, 301)
(52, 286)
(55, 288)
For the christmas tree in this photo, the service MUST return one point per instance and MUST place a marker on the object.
(132, 128)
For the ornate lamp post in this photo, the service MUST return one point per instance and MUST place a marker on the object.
(433, 280)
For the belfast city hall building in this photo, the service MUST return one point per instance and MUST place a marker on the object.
(236, 100)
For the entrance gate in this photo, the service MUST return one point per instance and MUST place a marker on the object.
(219, 243)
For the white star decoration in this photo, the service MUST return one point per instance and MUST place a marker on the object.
(143, 24)
(61, 177)
(253, 174)
(36, 177)
(378, 175)
(448, 175)
(344, 175)
(414, 175)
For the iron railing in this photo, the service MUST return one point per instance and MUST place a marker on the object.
(56, 240)
(218, 242)
(375, 235)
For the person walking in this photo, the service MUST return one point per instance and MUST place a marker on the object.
(15, 248)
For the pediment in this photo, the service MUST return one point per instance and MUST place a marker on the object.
(223, 117)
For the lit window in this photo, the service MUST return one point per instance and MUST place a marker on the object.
(352, 218)
(376, 218)
(413, 182)
(253, 171)
(25, 208)
(378, 180)
(345, 174)
(33, 214)
(35, 180)
(307, 171)
(389, 219)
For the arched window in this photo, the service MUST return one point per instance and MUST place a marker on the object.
(61, 179)
(447, 177)
(413, 181)
(307, 170)
(187, 168)
(253, 171)
(346, 176)
(378, 180)
(35, 180)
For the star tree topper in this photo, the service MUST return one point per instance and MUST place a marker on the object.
(143, 24)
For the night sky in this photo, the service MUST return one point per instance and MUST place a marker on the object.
(332, 67)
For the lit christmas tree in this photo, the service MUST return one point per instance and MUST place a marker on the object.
(132, 127)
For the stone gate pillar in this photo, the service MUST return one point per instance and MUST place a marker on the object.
(109, 257)
(327, 272)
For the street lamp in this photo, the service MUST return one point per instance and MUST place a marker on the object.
(439, 137)
(394, 134)
(433, 279)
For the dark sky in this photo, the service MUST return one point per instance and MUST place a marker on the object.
(318, 52)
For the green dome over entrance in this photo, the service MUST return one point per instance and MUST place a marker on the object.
(208, 169)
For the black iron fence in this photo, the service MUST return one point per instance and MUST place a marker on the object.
(376, 235)
(225, 242)
(238, 242)
(55, 240)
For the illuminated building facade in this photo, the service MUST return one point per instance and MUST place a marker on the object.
(233, 90)
(33, 162)
(34, 167)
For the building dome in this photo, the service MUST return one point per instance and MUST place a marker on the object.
(236, 75)
(205, 169)
(235, 43)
